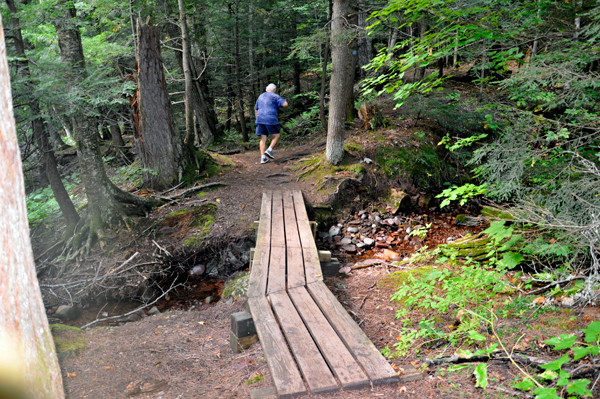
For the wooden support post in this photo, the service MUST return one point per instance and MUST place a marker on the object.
(331, 268)
(243, 333)
(313, 227)
(324, 256)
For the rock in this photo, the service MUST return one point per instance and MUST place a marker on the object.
(360, 213)
(229, 301)
(449, 240)
(323, 235)
(134, 317)
(345, 241)
(352, 230)
(390, 222)
(568, 302)
(380, 244)
(360, 245)
(363, 216)
(345, 270)
(197, 270)
(349, 248)
(153, 311)
(369, 241)
(145, 386)
(468, 220)
(237, 286)
(67, 312)
(408, 230)
(399, 201)
(209, 299)
(374, 226)
(334, 231)
(368, 161)
(104, 314)
(68, 341)
(424, 201)
(390, 255)
(377, 219)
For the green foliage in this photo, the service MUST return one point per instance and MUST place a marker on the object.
(41, 203)
(462, 193)
(421, 232)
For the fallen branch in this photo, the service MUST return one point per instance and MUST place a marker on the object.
(498, 355)
(554, 284)
(172, 287)
(511, 392)
(192, 190)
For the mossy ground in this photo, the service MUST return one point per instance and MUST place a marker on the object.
(237, 287)
(399, 278)
(68, 340)
(190, 225)
(317, 169)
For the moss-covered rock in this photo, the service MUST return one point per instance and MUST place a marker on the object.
(402, 277)
(68, 340)
(237, 287)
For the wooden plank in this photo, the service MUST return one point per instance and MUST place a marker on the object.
(334, 351)
(312, 365)
(277, 262)
(312, 266)
(292, 239)
(375, 365)
(284, 371)
(277, 227)
(257, 284)
(295, 268)
(264, 224)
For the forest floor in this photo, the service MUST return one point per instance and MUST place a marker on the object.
(186, 354)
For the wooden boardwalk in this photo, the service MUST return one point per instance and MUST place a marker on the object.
(310, 342)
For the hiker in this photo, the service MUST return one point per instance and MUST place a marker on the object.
(267, 124)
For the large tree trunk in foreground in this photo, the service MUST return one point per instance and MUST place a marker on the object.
(160, 147)
(28, 362)
(40, 132)
(106, 202)
(340, 58)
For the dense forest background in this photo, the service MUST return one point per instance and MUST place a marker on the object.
(144, 93)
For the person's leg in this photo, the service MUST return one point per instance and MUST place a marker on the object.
(274, 141)
(263, 144)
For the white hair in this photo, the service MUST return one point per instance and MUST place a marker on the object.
(271, 87)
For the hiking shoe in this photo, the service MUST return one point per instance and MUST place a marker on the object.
(264, 159)
(269, 153)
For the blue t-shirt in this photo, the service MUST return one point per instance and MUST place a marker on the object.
(267, 105)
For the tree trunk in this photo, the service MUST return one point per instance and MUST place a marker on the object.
(297, 88)
(422, 33)
(40, 133)
(340, 58)
(238, 84)
(160, 147)
(365, 48)
(352, 19)
(106, 202)
(392, 42)
(26, 342)
(324, 73)
(251, 63)
(185, 45)
(117, 137)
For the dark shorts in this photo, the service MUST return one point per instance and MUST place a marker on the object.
(266, 130)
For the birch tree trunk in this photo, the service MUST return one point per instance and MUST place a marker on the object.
(24, 331)
(340, 59)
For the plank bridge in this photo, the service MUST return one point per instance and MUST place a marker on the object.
(310, 342)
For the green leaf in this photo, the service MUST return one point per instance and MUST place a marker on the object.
(581, 352)
(481, 375)
(549, 375)
(579, 387)
(525, 385)
(511, 260)
(475, 336)
(563, 341)
(592, 333)
(546, 393)
(556, 364)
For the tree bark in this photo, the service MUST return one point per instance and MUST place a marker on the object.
(160, 147)
(340, 58)
(422, 33)
(365, 48)
(117, 137)
(324, 72)
(24, 330)
(352, 19)
(238, 80)
(106, 202)
(187, 73)
(40, 132)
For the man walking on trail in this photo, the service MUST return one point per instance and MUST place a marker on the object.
(267, 124)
